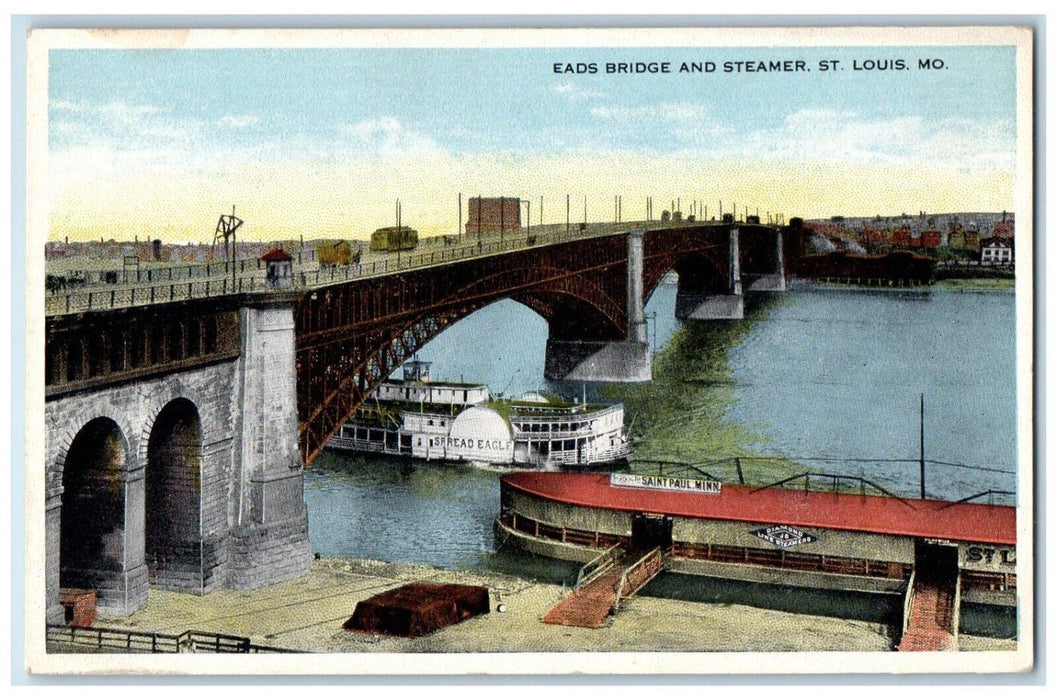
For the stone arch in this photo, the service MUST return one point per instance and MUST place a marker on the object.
(93, 543)
(173, 530)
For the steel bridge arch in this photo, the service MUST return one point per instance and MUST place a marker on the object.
(338, 367)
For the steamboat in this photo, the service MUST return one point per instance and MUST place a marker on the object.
(461, 422)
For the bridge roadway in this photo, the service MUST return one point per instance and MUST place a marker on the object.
(180, 413)
(167, 284)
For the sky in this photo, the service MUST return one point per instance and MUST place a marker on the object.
(322, 142)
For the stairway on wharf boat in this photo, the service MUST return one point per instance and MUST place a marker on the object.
(931, 624)
(603, 583)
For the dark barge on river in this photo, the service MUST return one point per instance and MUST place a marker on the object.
(898, 269)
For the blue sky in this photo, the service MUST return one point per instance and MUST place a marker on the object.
(199, 120)
(487, 100)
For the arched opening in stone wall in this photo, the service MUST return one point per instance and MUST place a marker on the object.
(173, 498)
(92, 540)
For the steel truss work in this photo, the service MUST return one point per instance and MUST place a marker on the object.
(351, 336)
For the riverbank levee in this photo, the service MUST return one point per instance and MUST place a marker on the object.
(307, 614)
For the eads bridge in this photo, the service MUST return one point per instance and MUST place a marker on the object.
(182, 406)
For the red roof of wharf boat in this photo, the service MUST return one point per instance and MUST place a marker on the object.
(963, 522)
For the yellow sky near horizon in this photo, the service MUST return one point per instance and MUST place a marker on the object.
(350, 200)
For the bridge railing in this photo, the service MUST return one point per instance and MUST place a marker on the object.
(179, 283)
(122, 296)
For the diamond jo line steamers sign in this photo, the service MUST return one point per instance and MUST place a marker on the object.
(784, 536)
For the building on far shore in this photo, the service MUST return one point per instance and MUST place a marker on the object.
(996, 251)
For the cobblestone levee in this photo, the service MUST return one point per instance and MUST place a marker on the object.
(307, 614)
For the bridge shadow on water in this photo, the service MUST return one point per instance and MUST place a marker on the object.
(684, 413)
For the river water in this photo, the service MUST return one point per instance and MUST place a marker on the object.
(822, 377)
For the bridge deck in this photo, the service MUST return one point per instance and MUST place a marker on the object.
(185, 282)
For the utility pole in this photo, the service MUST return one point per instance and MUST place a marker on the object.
(922, 453)
(226, 227)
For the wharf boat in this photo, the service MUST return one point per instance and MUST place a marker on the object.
(461, 422)
(932, 553)
(901, 268)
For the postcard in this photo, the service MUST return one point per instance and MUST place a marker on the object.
(447, 351)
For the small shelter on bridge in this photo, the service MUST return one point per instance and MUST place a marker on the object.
(280, 268)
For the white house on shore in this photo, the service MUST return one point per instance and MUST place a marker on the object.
(996, 251)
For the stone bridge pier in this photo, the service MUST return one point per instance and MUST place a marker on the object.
(172, 454)
(763, 266)
(704, 300)
(626, 360)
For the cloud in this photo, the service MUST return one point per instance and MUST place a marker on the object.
(388, 136)
(239, 121)
(813, 134)
(115, 110)
(574, 92)
(661, 112)
(664, 127)
(114, 124)
(819, 134)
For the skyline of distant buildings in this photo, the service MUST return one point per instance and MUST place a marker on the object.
(953, 230)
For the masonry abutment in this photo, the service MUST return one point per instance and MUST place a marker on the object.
(195, 472)
(270, 534)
